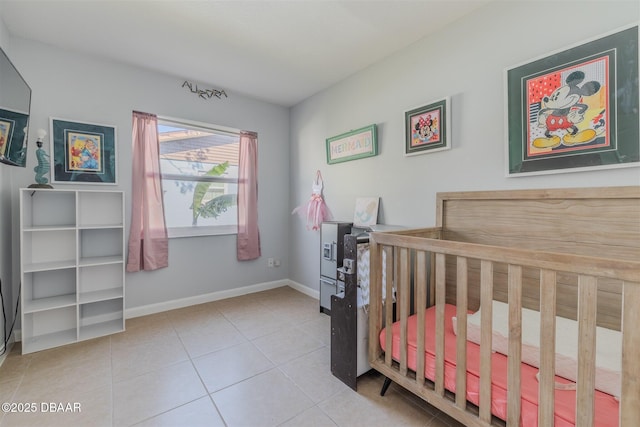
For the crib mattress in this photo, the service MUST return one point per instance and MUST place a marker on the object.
(606, 406)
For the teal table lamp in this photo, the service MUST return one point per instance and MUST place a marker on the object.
(44, 166)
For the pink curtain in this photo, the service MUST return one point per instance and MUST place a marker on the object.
(248, 233)
(148, 242)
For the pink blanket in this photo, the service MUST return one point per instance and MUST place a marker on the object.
(605, 404)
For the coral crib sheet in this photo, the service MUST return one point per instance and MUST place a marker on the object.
(606, 406)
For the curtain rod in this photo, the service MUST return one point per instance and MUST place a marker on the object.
(193, 123)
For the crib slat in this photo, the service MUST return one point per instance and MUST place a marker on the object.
(396, 280)
(587, 305)
(390, 264)
(486, 330)
(461, 339)
(630, 410)
(421, 297)
(515, 345)
(431, 293)
(405, 294)
(375, 301)
(414, 285)
(546, 386)
(440, 301)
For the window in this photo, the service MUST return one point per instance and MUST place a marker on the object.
(199, 166)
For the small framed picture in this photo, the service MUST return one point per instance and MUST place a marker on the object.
(427, 128)
(83, 153)
(6, 128)
(366, 211)
(13, 133)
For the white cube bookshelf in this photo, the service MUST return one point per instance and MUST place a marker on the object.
(72, 266)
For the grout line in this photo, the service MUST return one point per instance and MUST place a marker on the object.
(167, 411)
(198, 372)
(217, 409)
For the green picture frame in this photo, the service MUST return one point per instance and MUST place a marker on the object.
(13, 137)
(82, 153)
(353, 145)
(427, 128)
(575, 109)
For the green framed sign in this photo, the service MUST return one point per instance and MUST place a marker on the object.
(353, 145)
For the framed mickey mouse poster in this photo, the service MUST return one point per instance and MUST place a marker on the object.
(576, 109)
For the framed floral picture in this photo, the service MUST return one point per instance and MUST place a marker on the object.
(576, 109)
(427, 128)
(6, 128)
(83, 153)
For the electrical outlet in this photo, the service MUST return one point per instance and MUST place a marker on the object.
(277, 264)
(271, 262)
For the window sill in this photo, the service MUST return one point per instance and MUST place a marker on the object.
(179, 232)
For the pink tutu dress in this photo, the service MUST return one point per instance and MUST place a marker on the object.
(315, 211)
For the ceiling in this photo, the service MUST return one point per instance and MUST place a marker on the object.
(277, 51)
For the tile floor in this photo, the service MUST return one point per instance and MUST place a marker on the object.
(256, 360)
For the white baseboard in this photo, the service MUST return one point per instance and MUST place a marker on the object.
(201, 299)
(304, 289)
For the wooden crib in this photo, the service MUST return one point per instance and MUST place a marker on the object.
(563, 253)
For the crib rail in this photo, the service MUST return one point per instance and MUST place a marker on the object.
(416, 267)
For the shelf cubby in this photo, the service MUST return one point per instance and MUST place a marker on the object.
(48, 208)
(44, 249)
(101, 318)
(101, 243)
(72, 265)
(45, 290)
(49, 328)
(100, 209)
(100, 282)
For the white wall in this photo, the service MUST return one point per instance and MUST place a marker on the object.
(79, 87)
(465, 61)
